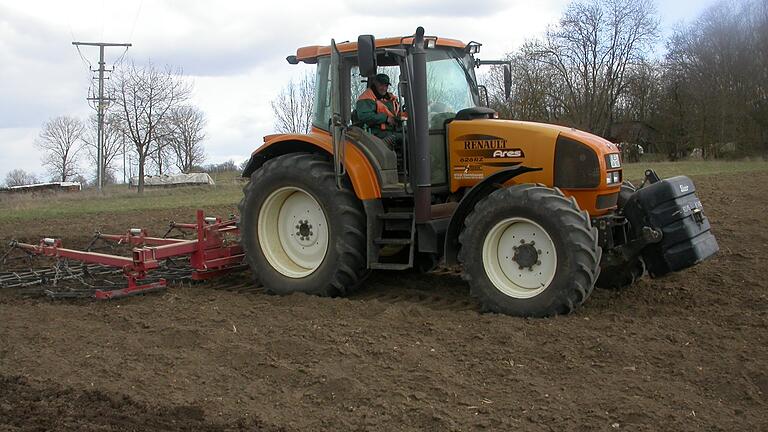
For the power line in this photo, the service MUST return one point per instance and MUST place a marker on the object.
(120, 59)
(101, 102)
(82, 57)
(135, 20)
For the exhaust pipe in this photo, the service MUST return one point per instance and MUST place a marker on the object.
(422, 175)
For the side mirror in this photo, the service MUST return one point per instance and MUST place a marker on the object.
(366, 55)
(507, 81)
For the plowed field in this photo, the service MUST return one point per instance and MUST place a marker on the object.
(409, 352)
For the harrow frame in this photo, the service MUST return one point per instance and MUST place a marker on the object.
(211, 253)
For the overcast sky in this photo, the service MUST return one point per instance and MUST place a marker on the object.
(233, 51)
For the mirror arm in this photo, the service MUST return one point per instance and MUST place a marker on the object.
(479, 62)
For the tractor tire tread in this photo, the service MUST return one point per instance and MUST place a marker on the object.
(350, 244)
(579, 235)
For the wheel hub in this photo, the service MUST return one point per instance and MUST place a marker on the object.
(304, 234)
(526, 255)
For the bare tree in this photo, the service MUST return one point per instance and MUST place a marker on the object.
(590, 53)
(716, 72)
(161, 153)
(19, 177)
(60, 142)
(226, 166)
(293, 107)
(533, 87)
(112, 137)
(146, 95)
(592, 71)
(186, 125)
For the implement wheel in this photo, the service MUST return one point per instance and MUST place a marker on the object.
(529, 251)
(300, 232)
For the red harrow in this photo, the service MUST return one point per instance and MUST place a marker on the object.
(213, 252)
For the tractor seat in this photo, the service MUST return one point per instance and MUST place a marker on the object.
(380, 155)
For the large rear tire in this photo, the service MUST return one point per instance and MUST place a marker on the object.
(300, 233)
(527, 250)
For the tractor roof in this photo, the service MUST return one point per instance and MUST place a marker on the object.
(309, 54)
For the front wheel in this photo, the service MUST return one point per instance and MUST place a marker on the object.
(529, 251)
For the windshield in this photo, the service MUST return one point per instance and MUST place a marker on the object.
(450, 85)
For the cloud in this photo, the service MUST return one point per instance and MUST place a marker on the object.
(233, 51)
(40, 72)
(17, 148)
(427, 8)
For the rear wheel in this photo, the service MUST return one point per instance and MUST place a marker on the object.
(528, 251)
(300, 233)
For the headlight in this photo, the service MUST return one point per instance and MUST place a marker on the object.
(576, 165)
(612, 178)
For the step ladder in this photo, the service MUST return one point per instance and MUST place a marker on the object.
(398, 228)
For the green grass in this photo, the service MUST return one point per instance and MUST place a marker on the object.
(228, 191)
(635, 171)
(116, 199)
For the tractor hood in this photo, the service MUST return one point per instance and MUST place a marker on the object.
(536, 140)
(563, 157)
(597, 143)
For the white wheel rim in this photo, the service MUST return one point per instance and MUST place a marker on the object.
(293, 232)
(509, 244)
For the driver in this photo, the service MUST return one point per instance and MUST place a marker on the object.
(380, 110)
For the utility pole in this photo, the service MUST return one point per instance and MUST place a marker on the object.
(101, 103)
(122, 136)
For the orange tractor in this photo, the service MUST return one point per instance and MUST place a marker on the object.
(535, 214)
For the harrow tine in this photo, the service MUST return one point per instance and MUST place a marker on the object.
(11, 247)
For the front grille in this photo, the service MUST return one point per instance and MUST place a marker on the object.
(576, 165)
(606, 201)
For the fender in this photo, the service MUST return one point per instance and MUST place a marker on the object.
(361, 173)
(467, 204)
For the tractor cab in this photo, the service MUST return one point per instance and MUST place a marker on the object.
(451, 88)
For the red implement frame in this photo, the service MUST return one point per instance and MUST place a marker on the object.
(211, 254)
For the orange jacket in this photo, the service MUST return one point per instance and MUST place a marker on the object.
(381, 107)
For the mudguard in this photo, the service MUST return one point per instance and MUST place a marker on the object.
(467, 204)
(361, 172)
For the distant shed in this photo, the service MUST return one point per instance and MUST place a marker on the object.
(43, 187)
(175, 180)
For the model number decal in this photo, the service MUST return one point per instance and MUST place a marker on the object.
(471, 159)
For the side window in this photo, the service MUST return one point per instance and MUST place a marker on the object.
(322, 103)
(358, 83)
